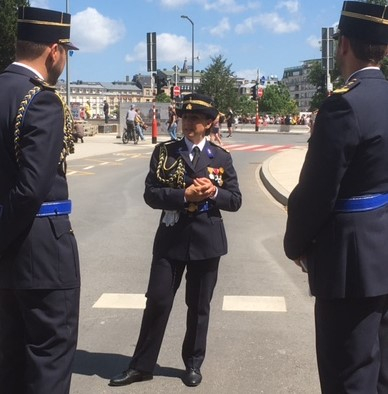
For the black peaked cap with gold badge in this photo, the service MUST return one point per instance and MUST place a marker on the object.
(196, 102)
(44, 26)
(365, 22)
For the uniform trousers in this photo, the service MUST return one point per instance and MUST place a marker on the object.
(165, 278)
(38, 338)
(352, 345)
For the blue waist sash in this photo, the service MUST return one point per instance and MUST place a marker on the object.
(55, 208)
(361, 203)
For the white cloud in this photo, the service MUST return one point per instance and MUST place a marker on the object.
(172, 49)
(249, 74)
(292, 6)
(93, 32)
(271, 21)
(174, 3)
(225, 6)
(222, 27)
(314, 42)
(40, 4)
(277, 24)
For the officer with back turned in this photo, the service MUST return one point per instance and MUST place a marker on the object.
(39, 265)
(338, 213)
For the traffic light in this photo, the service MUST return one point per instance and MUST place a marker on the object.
(254, 92)
(160, 82)
(172, 92)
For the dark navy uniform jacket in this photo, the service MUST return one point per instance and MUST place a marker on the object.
(347, 253)
(200, 235)
(35, 253)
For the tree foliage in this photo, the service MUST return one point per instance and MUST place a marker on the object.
(317, 77)
(277, 101)
(218, 82)
(8, 20)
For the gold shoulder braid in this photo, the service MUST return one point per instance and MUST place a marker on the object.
(68, 143)
(174, 176)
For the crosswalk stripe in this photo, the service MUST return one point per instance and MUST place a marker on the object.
(249, 147)
(254, 304)
(230, 303)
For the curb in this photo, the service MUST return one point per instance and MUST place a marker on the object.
(278, 192)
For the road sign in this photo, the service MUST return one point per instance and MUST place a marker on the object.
(177, 91)
(260, 92)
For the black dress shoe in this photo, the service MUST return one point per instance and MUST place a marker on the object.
(130, 376)
(192, 377)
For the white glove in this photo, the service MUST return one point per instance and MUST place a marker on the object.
(170, 218)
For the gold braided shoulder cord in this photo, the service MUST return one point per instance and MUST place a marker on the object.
(175, 179)
(68, 143)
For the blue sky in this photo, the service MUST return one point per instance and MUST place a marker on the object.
(265, 35)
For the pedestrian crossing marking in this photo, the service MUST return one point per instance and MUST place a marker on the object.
(230, 303)
(254, 304)
(121, 301)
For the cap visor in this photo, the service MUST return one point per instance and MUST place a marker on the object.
(70, 46)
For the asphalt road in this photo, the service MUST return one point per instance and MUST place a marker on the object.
(261, 335)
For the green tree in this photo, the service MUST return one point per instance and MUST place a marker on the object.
(8, 20)
(218, 82)
(245, 106)
(277, 100)
(163, 98)
(317, 77)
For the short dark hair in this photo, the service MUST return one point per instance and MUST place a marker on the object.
(28, 50)
(371, 53)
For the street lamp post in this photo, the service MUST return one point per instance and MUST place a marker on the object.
(192, 51)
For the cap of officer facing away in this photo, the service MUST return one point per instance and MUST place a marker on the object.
(365, 22)
(44, 26)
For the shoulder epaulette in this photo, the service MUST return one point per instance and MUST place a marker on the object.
(350, 85)
(43, 84)
(218, 146)
(168, 142)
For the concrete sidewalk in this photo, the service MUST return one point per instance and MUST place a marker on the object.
(280, 173)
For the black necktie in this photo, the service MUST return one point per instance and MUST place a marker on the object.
(196, 152)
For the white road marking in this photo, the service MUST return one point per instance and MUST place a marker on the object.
(121, 301)
(254, 304)
(231, 303)
(88, 168)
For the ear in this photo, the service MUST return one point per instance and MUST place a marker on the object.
(54, 51)
(209, 123)
(344, 44)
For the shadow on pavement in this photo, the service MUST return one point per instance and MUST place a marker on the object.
(106, 365)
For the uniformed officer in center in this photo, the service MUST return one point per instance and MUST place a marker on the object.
(338, 213)
(190, 180)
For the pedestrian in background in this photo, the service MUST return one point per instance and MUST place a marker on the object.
(190, 180)
(229, 122)
(106, 111)
(130, 121)
(39, 266)
(337, 225)
(215, 130)
(139, 125)
(172, 122)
